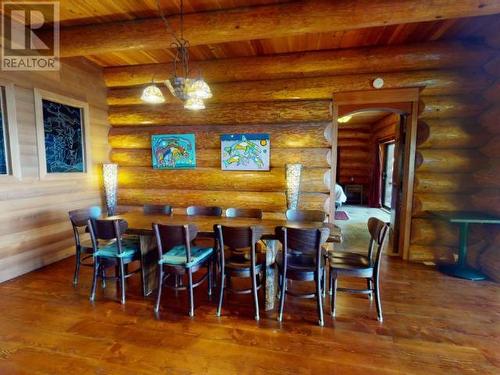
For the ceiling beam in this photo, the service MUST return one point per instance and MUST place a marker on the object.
(433, 55)
(263, 22)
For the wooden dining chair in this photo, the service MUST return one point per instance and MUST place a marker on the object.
(253, 213)
(362, 266)
(111, 249)
(158, 209)
(179, 257)
(305, 215)
(203, 211)
(301, 259)
(237, 257)
(83, 247)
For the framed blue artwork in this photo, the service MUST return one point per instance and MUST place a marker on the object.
(245, 152)
(61, 128)
(3, 144)
(10, 165)
(173, 151)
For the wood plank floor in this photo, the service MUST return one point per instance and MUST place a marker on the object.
(433, 325)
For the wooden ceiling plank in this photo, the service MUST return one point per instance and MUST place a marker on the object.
(269, 21)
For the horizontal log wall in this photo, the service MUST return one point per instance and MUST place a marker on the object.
(354, 161)
(34, 224)
(457, 167)
(271, 95)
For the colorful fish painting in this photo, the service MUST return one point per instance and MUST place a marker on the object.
(245, 152)
(173, 151)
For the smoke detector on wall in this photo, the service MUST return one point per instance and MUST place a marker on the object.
(378, 83)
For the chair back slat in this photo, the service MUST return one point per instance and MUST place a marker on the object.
(304, 241)
(203, 211)
(379, 239)
(239, 237)
(170, 236)
(305, 215)
(151, 209)
(108, 229)
(80, 217)
(254, 213)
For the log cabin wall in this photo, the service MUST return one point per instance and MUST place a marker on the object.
(457, 168)
(289, 97)
(354, 159)
(34, 224)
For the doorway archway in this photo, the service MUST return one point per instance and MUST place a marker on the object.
(405, 103)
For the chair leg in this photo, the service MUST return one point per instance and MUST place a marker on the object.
(94, 279)
(377, 299)
(333, 286)
(319, 299)
(255, 292)
(176, 284)
(221, 291)
(117, 277)
(103, 278)
(369, 285)
(77, 267)
(191, 297)
(330, 271)
(122, 281)
(160, 286)
(323, 282)
(282, 296)
(210, 278)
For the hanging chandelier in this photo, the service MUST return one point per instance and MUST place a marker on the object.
(192, 90)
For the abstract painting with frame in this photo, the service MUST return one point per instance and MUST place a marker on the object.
(62, 134)
(245, 152)
(173, 151)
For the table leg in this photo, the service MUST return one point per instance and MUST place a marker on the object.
(149, 261)
(460, 269)
(271, 251)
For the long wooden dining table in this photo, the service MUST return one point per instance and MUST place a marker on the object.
(140, 224)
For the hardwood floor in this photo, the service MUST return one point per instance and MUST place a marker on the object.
(433, 324)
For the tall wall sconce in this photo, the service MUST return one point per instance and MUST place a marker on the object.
(293, 173)
(110, 177)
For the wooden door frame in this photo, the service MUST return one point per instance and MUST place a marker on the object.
(403, 101)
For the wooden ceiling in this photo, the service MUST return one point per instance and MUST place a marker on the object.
(366, 117)
(85, 12)
(455, 29)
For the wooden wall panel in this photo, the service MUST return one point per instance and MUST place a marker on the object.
(267, 201)
(35, 229)
(300, 135)
(237, 113)
(312, 157)
(433, 82)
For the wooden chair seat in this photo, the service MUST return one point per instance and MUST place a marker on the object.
(130, 250)
(241, 262)
(299, 267)
(177, 256)
(354, 266)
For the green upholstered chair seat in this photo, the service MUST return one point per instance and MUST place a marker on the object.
(129, 249)
(177, 256)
